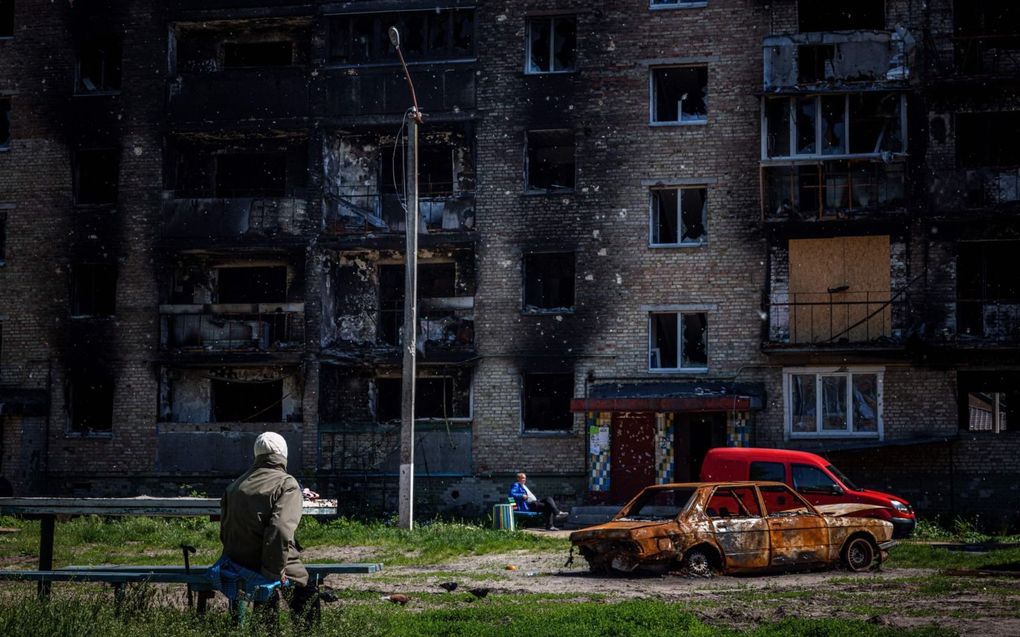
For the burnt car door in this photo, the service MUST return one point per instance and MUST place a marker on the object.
(797, 533)
(740, 530)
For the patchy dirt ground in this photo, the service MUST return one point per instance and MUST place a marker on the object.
(892, 597)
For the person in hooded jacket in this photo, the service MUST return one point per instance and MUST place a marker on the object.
(260, 512)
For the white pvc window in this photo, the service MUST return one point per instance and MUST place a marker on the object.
(833, 403)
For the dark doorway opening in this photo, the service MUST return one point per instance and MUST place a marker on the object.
(693, 436)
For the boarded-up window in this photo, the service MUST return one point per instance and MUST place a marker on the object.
(840, 289)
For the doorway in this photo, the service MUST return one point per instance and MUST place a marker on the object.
(695, 434)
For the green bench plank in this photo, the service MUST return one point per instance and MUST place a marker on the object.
(364, 568)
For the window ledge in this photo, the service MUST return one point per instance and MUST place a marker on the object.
(549, 312)
(834, 434)
(547, 434)
(550, 192)
(678, 5)
(672, 246)
(679, 370)
(93, 317)
(541, 73)
(96, 93)
(693, 122)
(98, 435)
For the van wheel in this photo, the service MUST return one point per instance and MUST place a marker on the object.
(698, 563)
(859, 554)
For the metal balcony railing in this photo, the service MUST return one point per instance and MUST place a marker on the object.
(447, 329)
(834, 318)
(233, 217)
(974, 188)
(240, 332)
(355, 210)
(835, 188)
(259, 93)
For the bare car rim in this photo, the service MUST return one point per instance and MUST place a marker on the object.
(859, 554)
(698, 564)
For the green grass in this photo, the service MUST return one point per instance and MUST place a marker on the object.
(958, 530)
(912, 555)
(85, 615)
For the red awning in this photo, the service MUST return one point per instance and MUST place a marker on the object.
(687, 404)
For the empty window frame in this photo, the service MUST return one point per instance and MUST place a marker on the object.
(549, 164)
(5, 124)
(435, 398)
(237, 401)
(678, 341)
(679, 216)
(986, 411)
(251, 175)
(834, 125)
(96, 174)
(546, 402)
(93, 289)
(257, 54)
(988, 140)
(549, 282)
(98, 69)
(841, 15)
(551, 44)
(90, 404)
(833, 402)
(435, 281)
(6, 18)
(259, 284)
(679, 95)
(435, 171)
(987, 289)
(445, 34)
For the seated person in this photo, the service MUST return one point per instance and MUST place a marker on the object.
(526, 501)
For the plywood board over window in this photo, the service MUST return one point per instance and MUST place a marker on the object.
(840, 289)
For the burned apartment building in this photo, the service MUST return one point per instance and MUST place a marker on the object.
(640, 237)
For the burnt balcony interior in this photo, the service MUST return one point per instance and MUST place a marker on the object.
(988, 162)
(229, 395)
(837, 291)
(236, 189)
(988, 291)
(364, 183)
(831, 155)
(233, 306)
(986, 37)
(98, 65)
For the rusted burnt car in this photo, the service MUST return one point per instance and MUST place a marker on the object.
(732, 527)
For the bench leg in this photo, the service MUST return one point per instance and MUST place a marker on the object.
(118, 597)
(203, 601)
(46, 528)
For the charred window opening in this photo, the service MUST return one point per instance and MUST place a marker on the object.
(833, 403)
(552, 44)
(5, 124)
(680, 95)
(263, 284)
(814, 62)
(841, 15)
(989, 401)
(550, 160)
(93, 289)
(435, 398)
(435, 171)
(435, 281)
(90, 403)
(236, 401)
(986, 36)
(549, 281)
(679, 216)
(6, 18)
(678, 341)
(96, 176)
(444, 34)
(733, 502)
(988, 290)
(816, 126)
(251, 175)
(99, 66)
(986, 140)
(546, 402)
(258, 54)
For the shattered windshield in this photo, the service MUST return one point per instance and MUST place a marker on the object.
(658, 504)
(842, 478)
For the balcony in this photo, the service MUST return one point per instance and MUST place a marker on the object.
(833, 320)
(441, 88)
(444, 324)
(231, 218)
(989, 320)
(240, 94)
(819, 190)
(261, 327)
(817, 60)
(977, 188)
(358, 210)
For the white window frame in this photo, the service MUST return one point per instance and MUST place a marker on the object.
(819, 373)
(679, 217)
(658, 5)
(792, 113)
(679, 343)
(651, 97)
(552, 44)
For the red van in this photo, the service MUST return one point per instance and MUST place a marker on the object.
(812, 476)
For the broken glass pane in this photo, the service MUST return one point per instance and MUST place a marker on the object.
(777, 124)
(693, 215)
(833, 125)
(695, 352)
(538, 60)
(664, 222)
(564, 44)
(802, 402)
(834, 412)
(865, 402)
(806, 126)
(680, 94)
(663, 354)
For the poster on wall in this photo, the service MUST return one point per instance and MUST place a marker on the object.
(598, 439)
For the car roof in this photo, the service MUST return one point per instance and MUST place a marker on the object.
(698, 485)
(761, 453)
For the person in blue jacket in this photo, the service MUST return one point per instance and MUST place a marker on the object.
(527, 501)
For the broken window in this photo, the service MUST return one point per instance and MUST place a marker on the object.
(549, 281)
(96, 176)
(987, 411)
(552, 44)
(680, 94)
(550, 160)
(679, 216)
(251, 401)
(827, 125)
(833, 402)
(988, 139)
(435, 398)
(5, 124)
(546, 402)
(841, 15)
(442, 34)
(262, 284)
(99, 66)
(258, 54)
(814, 62)
(93, 289)
(251, 175)
(988, 401)
(90, 403)
(6, 18)
(435, 171)
(678, 341)
(733, 502)
(435, 281)
(987, 289)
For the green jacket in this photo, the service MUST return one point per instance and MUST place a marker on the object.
(259, 513)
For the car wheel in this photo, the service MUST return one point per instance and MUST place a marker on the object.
(859, 554)
(698, 563)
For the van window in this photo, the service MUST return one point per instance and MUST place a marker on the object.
(773, 471)
(811, 479)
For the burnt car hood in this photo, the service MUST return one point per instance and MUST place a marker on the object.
(620, 529)
(844, 509)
